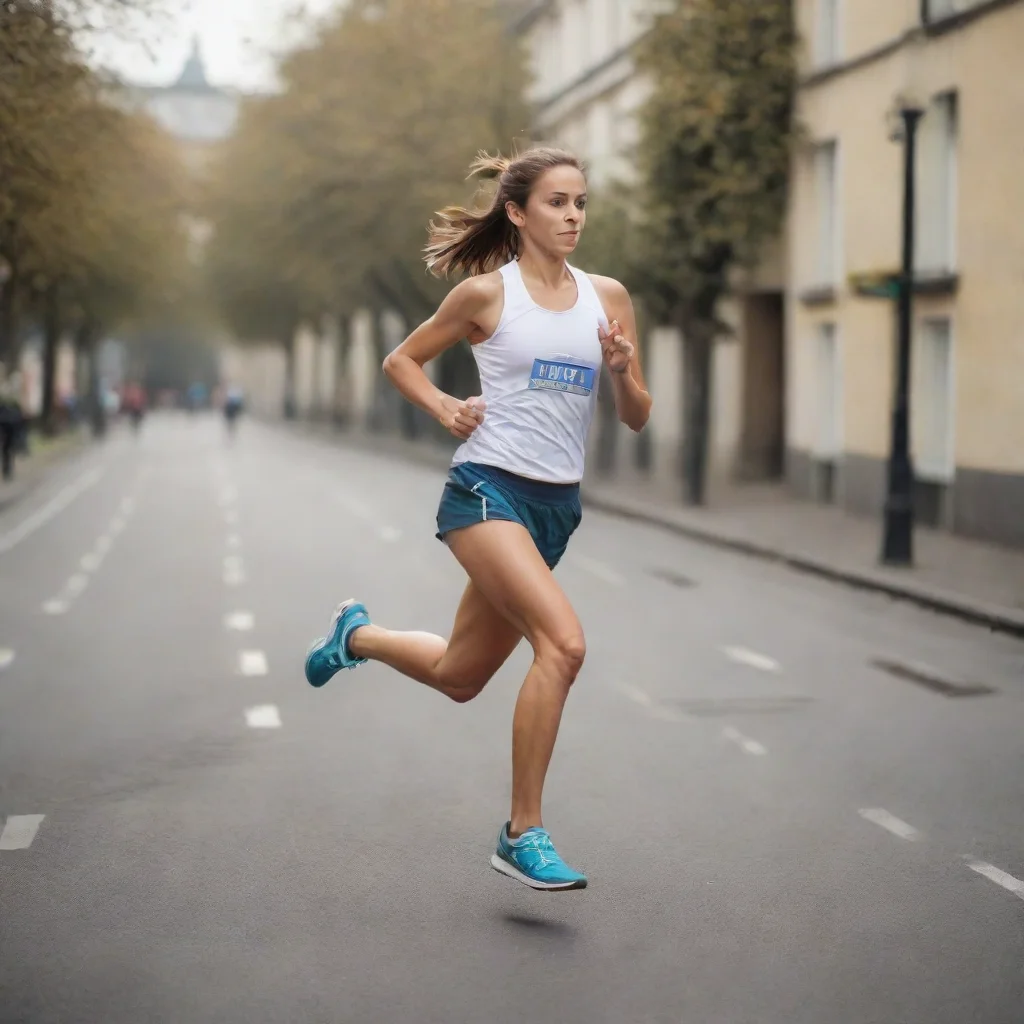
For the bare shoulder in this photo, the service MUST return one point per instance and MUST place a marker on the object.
(473, 307)
(610, 291)
(477, 292)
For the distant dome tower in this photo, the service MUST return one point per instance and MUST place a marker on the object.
(193, 74)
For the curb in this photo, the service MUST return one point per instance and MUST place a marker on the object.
(993, 617)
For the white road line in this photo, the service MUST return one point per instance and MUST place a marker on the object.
(103, 544)
(596, 568)
(389, 534)
(241, 621)
(252, 663)
(91, 562)
(266, 716)
(77, 584)
(55, 606)
(20, 830)
(234, 572)
(994, 874)
(117, 525)
(6, 657)
(635, 694)
(880, 816)
(234, 541)
(751, 658)
(353, 506)
(43, 515)
(745, 743)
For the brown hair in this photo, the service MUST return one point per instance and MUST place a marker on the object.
(478, 241)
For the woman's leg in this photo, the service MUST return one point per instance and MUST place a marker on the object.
(504, 564)
(460, 667)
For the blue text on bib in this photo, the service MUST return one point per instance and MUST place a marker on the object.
(571, 378)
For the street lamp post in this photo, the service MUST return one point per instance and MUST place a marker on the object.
(898, 539)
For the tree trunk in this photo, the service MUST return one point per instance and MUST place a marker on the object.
(288, 344)
(51, 342)
(341, 409)
(698, 346)
(607, 427)
(9, 347)
(96, 408)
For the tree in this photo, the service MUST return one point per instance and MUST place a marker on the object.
(714, 153)
(321, 201)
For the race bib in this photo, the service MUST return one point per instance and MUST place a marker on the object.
(572, 378)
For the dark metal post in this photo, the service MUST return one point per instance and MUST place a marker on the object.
(898, 541)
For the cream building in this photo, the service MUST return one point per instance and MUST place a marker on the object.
(959, 60)
(587, 91)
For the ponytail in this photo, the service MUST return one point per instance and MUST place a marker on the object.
(479, 241)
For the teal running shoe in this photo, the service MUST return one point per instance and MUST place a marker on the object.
(533, 860)
(330, 654)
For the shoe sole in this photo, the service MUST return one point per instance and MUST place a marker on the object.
(503, 867)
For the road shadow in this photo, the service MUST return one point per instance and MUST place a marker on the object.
(542, 927)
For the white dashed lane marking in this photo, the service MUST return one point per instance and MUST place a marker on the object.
(6, 657)
(252, 663)
(240, 621)
(743, 656)
(90, 562)
(745, 743)
(19, 831)
(881, 817)
(997, 875)
(234, 573)
(266, 716)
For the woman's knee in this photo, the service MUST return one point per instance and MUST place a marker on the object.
(564, 651)
(461, 685)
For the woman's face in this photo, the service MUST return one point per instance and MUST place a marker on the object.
(556, 210)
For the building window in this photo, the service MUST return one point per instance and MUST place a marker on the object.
(932, 401)
(826, 190)
(826, 34)
(935, 240)
(829, 391)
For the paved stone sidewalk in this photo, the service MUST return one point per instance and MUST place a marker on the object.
(981, 583)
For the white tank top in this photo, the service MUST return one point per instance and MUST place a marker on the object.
(539, 374)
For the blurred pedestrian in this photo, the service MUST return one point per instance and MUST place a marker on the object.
(541, 331)
(12, 423)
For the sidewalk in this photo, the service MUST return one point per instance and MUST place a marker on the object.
(976, 582)
(46, 453)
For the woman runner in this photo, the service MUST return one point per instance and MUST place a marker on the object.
(540, 331)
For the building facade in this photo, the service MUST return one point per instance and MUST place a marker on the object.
(587, 91)
(956, 60)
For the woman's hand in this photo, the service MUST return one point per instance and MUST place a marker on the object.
(460, 417)
(615, 347)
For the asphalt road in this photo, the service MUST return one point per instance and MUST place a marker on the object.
(776, 830)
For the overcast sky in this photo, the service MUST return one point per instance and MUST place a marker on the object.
(238, 38)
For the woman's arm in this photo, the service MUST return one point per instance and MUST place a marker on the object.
(632, 399)
(467, 310)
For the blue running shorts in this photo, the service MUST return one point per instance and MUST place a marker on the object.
(475, 493)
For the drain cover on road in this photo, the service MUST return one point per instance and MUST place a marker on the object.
(930, 678)
(710, 706)
(676, 579)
